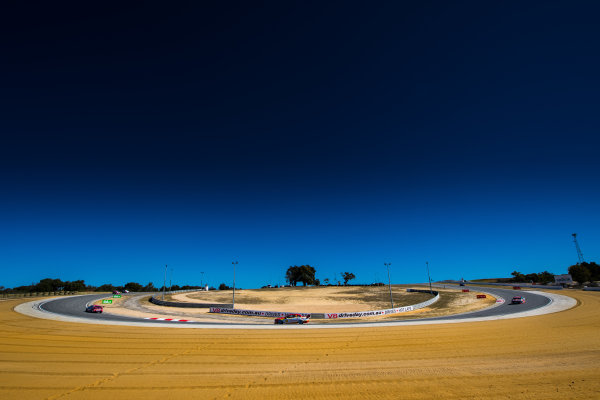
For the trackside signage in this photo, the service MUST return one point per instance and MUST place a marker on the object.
(106, 301)
(362, 314)
(252, 313)
(566, 278)
(397, 310)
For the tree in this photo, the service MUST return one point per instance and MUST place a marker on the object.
(48, 285)
(532, 277)
(546, 277)
(307, 275)
(291, 275)
(223, 286)
(303, 273)
(75, 286)
(585, 272)
(133, 287)
(594, 270)
(347, 276)
(517, 277)
(107, 287)
(149, 287)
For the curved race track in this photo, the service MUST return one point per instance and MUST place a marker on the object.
(73, 307)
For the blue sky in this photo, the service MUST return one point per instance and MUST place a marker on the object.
(341, 136)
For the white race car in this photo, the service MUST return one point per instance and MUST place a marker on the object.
(292, 319)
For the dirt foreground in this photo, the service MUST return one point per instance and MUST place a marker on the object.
(553, 356)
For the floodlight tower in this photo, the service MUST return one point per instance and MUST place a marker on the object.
(389, 282)
(579, 253)
(233, 302)
(165, 284)
(429, 277)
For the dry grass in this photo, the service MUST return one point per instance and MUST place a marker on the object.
(547, 357)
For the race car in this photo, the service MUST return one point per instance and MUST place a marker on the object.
(292, 319)
(518, 300)
(94, 309)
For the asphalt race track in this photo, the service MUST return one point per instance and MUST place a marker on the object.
(75, 307)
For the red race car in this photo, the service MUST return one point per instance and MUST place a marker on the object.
(94, 309)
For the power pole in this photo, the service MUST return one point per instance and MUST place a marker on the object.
(165, 284)
(579, 253)
(390, 283)
(233, 302)
(428, 277)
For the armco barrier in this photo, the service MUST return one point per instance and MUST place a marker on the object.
(595, 289)
(552, 287)
(252, 313)
(358, 314)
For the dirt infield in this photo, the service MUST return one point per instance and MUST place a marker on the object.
(551, 356)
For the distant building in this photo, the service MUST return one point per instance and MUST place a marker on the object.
(564, 279)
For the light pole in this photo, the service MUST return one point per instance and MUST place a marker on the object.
(233, 302)
(165, 284)
(428, 277)
(389, 282)
(171, 281)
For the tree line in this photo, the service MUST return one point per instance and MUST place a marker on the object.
(585, 272)
(57, 285)
(306, 274)
(581, 273)
(538, 277)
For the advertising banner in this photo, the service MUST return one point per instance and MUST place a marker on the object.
(565, 278)
(252, 313)
(361, 314)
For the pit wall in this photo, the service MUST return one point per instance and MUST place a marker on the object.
(359, 314)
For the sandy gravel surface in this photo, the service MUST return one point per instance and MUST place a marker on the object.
(553, 356)
(310, 299)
